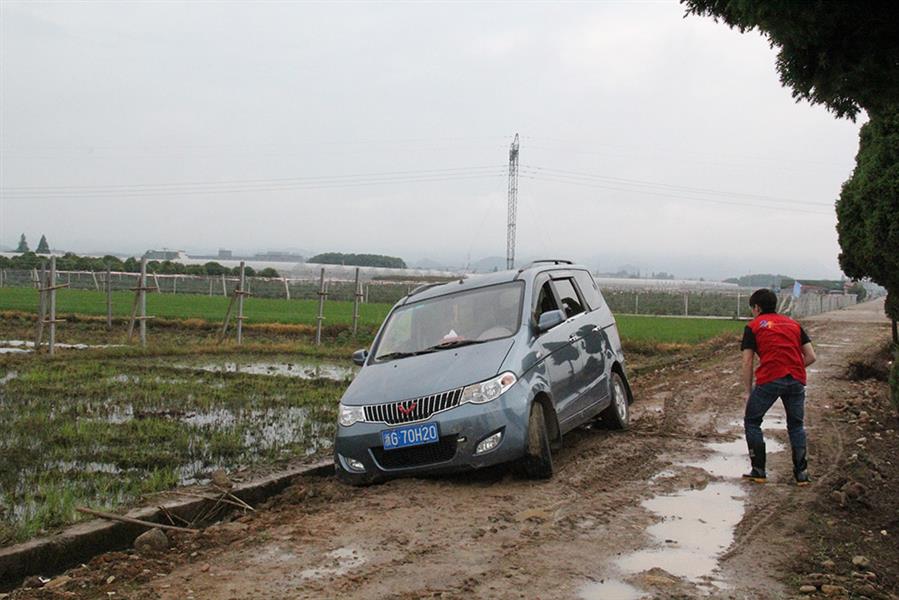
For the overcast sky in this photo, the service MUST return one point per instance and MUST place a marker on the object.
(647, 138)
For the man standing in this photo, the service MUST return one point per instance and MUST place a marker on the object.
(784, 351)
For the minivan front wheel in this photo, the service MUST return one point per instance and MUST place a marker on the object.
(538, 460)
(618, 414)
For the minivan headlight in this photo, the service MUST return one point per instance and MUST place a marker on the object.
(350, 414)
(491, 389)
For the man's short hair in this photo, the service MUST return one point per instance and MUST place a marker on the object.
(765, 299)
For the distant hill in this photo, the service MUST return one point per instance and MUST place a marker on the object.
(358, 260)
(489, 264)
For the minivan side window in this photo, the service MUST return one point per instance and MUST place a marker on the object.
(571, 302)
(588, 288)
(546, 301)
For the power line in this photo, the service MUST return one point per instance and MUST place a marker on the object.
(551, 179)
(665, 186)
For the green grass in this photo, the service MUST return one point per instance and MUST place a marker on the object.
(187, 306)
(676, 330)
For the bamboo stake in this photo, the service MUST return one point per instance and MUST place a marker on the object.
(42, 309)
(240, 295)
(321, 308)
(143, 301)
(52, 286)
(108, 298)
(122, 519)
(357, 294)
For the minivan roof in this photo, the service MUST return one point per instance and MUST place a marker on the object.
(477, 280)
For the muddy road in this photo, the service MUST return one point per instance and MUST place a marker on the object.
(655, 511)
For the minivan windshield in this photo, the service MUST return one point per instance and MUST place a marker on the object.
(469, 317)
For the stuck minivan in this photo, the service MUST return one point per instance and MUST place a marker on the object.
(484, 370)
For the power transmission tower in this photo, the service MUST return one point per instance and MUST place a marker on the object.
(513, 203)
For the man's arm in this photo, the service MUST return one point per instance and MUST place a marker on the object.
(808, 354)
(748, 363)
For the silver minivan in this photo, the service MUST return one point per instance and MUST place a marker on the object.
(484, 370)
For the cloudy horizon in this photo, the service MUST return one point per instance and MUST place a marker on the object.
(647, 139)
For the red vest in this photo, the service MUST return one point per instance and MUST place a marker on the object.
(779, 346)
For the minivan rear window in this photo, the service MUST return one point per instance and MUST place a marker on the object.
(468, 317)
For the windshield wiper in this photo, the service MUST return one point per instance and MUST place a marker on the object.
(392, 355)
(454, 344)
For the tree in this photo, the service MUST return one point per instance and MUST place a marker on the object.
(868, 209)
(23, 245)
(844, 55)
(42, 246)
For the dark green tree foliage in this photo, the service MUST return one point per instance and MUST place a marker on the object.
(358, 260)
(42, 246)
(844, 55)
(268, 272)
(868, 209)
(23, 244)
(73, 262)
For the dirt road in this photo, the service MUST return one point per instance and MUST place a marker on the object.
(658, 510)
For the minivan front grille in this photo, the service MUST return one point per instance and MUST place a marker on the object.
(409, 411)
(416, 456)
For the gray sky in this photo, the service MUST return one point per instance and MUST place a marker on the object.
(385, 127)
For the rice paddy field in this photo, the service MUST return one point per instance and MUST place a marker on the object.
(105, 424)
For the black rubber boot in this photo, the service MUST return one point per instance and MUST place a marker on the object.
(800, 465)
(757, 458)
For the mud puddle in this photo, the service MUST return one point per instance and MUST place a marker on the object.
(288, 367)
(693, 527)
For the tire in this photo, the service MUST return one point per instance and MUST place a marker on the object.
(617, 415)
(538, 459)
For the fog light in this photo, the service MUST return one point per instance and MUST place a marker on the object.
(354, 464)
(489, 443)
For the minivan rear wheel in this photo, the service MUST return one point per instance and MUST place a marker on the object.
(617, 415)
(538, 461)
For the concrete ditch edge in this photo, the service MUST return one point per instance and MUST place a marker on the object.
(81, 542)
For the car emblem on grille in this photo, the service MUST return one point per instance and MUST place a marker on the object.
(406, 410)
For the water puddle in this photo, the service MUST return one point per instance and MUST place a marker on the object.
(694, 526)
(611, 590)
(304, 369)
(689, 541)
(11, 346)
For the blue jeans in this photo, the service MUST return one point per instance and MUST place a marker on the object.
(792, 394)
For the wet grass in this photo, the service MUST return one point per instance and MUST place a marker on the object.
(102, 432)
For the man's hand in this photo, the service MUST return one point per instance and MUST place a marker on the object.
(808, 354)
(748, 364)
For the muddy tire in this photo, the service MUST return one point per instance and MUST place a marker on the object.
(538, 459)
(617, 415)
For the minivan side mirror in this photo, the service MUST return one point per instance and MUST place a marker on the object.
(550, 319)
(360, 356)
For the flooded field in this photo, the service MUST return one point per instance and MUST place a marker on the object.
(101, 433)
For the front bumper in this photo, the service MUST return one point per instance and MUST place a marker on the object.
(461, 430)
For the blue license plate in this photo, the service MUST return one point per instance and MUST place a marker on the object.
(413, 435)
